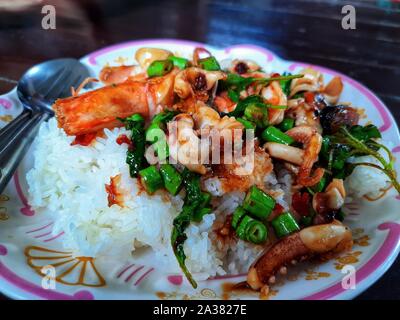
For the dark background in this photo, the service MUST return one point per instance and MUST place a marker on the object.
(303, 30)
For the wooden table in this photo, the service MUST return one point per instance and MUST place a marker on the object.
(303, 30)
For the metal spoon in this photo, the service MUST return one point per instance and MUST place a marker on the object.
(38, 88)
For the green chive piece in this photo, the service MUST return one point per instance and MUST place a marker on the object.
(179, 62)
(246, 123)
(241, 230)
(151, 179)
(258, 203)
(273, 134)
(286, 124)
(284, 225)
(159, 68)
(209, 64)
(153, 132)
(172, 178)
(257, 232)
(238, 214)
(257, 114)
(199, 214)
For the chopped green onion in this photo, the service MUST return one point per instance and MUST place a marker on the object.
(258, 203)
(257, 114)
(161, 149)
(241, 230)
(256, 232)
(286, 124)
(238, 214)
(284, 225)
(172, 178)
(209, 64)
(159, 68)
(272, 134)
(199, 214)
(179, 62)
(152, 133)
(156, 135)
(246, 123)
(151, 179)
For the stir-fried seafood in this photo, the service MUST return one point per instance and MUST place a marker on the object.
(188, 111)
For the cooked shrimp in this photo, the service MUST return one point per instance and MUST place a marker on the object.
(273, 94)
(326, 239)
(312, 142)
(145, 56)
(196, 82)
(114, 75)
(98, 109)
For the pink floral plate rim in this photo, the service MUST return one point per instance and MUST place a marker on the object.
(368, 273)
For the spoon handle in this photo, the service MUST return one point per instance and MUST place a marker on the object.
(7, 132)
(14, 149)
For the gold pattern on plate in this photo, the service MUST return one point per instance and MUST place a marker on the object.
(6, 118)
(315, 275)
(69, 270)
(362, 241)
(205, 293)
(348, 258)
(3, 210)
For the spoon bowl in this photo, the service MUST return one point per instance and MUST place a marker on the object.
(42, 84)
(38, 88)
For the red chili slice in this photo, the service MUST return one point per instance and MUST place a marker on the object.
(301, 203)
(123, 138)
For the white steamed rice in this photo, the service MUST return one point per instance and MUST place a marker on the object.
(67, 183)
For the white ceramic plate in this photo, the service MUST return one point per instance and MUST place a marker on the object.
(27, 241)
